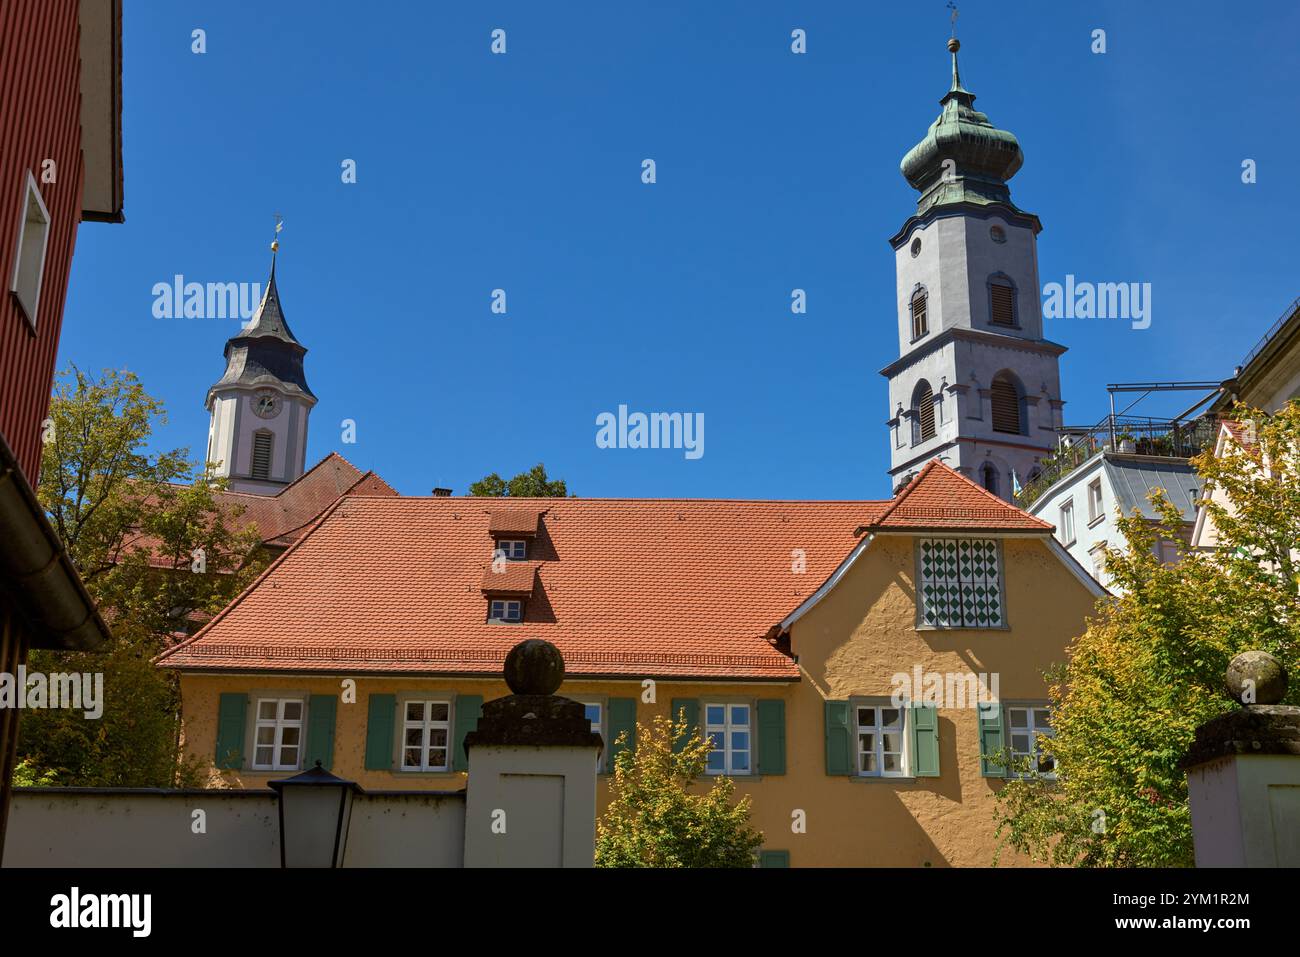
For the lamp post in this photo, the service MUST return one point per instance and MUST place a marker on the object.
(315, 810)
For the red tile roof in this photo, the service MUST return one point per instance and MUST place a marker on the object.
(510, 578)
(282, 518)
(940, 498)
(518, 520)
(630, 587)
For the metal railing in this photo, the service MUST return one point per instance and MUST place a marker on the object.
(1273, 330)
(1138, 435)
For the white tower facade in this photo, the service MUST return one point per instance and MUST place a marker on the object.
(976, 384)
(257, 433)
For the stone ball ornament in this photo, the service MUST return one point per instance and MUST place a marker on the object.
(1256, 677)
(534, 667)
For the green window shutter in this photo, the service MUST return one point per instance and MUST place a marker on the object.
(990, 741)
(771, 736)
(622, 717)
(379, 732)
(839, 743)
(925, 740)
(321, 712)
(468, 709)
(773, 858)
(232, 710)
(690, 707)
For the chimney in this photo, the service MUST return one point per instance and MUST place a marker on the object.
(442, 493)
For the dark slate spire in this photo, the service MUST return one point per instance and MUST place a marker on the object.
(265, 352)
(983, 157)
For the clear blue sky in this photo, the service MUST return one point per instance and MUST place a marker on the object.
(775, 171)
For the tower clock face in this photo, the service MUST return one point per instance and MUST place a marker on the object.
(266, 405)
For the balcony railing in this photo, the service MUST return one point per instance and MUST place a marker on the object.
(1140, 435)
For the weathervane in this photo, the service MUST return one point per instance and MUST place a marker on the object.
(275, 240)
(953, 7)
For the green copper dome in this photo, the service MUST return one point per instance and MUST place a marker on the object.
(983, 157)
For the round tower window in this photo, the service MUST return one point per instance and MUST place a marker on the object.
(916, 247)
(998, 234)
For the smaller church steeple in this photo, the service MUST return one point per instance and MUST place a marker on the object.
(259, 407)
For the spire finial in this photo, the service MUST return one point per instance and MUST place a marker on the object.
(275, 240)
(953, 46)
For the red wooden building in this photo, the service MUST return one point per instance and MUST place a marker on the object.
(60, 164)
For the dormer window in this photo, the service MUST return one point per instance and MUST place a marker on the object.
(505, 610)
(512, 549)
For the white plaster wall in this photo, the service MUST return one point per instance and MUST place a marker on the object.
(233, 425)
(1087, 536)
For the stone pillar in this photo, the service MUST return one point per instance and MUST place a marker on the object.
(1243, 773)
(531, 793)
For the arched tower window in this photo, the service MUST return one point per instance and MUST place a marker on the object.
(920, 319)
(1002, 301)
(923, 405)
(1005, 399)
(989, 477)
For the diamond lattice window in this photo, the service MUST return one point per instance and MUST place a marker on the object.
(961, 583)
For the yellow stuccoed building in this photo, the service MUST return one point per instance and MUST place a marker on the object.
(786, 632)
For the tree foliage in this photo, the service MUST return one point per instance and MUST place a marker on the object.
(1150, 668)
(530, 484)
(137, 523)
(654, 819)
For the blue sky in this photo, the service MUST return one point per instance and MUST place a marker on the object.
(775, 171)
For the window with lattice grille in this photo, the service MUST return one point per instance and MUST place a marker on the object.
(1003, 312)
(960, 582)
(920, 324)
(1006, 406)
(261, 455)
(925, 415)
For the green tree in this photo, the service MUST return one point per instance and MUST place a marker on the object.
(155, 548)
(653, 818)
(530, 484)
(1150, 668)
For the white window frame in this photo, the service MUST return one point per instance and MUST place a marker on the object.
(1096, 502)
(426, 725)
(511, 549)
(506, 605)
(878, 730)
(727, 728)
(1034, 729)
(1068, 536)
(280, 723)
(29, 261)
(599, 727)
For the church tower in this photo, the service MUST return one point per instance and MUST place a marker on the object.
(975, 385)
(259, 408)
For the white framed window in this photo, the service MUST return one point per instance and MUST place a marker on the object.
(882, 741)
(727, 726)
(1067, 522)
(512, 549)
(505, 609)
(426, 733)
(1099, 560)
(1095, 507)
(1025, 724)
(277, 734)
(33, 240)
(596, 715)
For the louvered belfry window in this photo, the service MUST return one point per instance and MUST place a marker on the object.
(961, 582)
(261, 455)
(1003, 304)
(920, 323)
(925, 414)
(1006, 406)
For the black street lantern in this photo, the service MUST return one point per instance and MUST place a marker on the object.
(315, 810)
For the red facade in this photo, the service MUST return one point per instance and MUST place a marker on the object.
(40, 92)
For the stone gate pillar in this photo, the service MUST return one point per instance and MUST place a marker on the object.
(1243, 773)
(531, 793)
